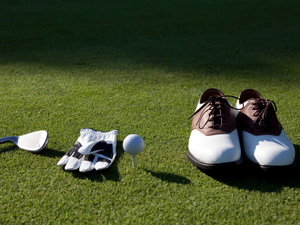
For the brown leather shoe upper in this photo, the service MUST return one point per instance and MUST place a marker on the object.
(258, 116)
(215, 115)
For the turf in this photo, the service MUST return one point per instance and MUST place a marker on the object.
(140, 67)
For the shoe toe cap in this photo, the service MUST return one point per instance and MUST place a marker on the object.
(215, 149)
(269, 150)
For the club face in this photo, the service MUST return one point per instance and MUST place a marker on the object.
(34, 141)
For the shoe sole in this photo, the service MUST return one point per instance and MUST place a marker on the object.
(274, 169)
(215, 166)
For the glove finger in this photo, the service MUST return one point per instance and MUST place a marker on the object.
(65, 159)
(88, 163)
(106, 158)
(73, 163)
(103, 162)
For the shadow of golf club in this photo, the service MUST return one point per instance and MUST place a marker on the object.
(8, 148)
(48, 152)
(169, 177)
(51, 153)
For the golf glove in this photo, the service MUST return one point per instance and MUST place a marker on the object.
(92, 150)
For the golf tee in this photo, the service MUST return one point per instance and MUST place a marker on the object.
(133, 160)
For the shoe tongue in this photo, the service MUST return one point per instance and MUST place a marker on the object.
(210, 92)
(251, 100)
(249, 94)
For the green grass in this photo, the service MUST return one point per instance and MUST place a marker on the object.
(140, 67)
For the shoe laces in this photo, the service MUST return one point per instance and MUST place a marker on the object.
(215, 106)
(262, 108)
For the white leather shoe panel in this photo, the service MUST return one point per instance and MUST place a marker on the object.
(269, 150)
(214, 149)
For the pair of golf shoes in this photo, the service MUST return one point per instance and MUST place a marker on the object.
(223, 136)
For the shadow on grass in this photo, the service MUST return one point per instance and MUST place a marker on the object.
(112, 173)
(178, 36)
(8, 148)
(48, 152)
(51, 153)
(169, 177)
(254, 179)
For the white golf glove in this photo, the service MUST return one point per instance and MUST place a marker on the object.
(92, 150)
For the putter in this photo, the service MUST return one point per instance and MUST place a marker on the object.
(33, 142)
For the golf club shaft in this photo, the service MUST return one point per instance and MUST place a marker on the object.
(6, 139)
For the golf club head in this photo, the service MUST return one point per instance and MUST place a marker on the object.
(34, 141)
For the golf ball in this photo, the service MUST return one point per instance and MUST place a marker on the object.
(133, 144)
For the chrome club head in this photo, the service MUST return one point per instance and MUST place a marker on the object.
(33, 142)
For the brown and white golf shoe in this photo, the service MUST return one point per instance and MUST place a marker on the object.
(214, 141)
(263, 139)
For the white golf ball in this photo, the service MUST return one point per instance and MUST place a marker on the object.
(133, 144)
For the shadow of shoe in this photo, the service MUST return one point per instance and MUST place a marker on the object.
(254, 178)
